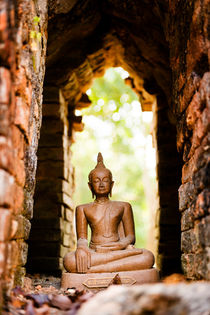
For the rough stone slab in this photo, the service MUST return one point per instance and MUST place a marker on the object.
(98, 281)
(188, 299)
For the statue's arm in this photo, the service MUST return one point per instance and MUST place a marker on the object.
(81, 227)
(128, 224)
(82, 254)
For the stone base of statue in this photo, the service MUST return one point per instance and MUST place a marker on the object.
(100, 281)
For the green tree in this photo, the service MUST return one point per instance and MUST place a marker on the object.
(114, 125)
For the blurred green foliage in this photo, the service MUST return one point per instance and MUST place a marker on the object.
(114, 126)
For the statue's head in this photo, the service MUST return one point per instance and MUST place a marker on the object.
(100, 178)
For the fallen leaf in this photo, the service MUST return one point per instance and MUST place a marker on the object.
(61, 301)
(39, 299)
(18, 291)
(30, 310)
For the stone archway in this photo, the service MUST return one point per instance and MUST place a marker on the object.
(109, 40)
(164, 46)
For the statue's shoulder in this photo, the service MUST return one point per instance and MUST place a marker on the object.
(123, 204)
(84, 206)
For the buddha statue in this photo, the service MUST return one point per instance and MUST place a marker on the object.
(111, 247)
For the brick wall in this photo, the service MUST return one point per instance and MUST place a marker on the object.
(189, 46)
(21, 72)
(52, 234)
(168, 170)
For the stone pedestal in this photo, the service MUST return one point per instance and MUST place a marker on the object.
(99, 281)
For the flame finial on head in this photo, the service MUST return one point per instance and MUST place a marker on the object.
(100, 165)
(100, 161)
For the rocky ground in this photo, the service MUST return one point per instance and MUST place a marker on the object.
(42, 295)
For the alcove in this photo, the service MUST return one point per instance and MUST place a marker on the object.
(82, 43)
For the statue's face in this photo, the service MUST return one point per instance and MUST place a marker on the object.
(101, 182)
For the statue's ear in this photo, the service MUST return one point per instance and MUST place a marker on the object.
(91, 189)
(112, 183)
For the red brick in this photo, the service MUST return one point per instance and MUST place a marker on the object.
(4, 120)
(205, 89)
(3, 16)
(191, 85)
(198, 159)
(187, 195)
(202, 206)
(6, 158)
(18, 198)
(20, 172)
(193, 111)
(12, 259)
(5, 86)
(5, 224)
(201, 128)
(22, 115)
(24, 227)
(18, 141)
(6, 189)
(20, 81)
(3, 257)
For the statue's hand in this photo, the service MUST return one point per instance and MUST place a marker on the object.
(83, 260)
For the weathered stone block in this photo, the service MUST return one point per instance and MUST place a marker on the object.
(18, 141)
(52, 126)
(51, 110)
(12, 256)
(51, 95)
(20, 273)
(187, 238)
(24, 227)
(188, 265)
(5, 224)
(53, 154)
(66, 240)
(20, 172)
(46, 208)
(18, 197)
(4, 120)
(47, 169)
(201, 178)
(67, 227)
(187, 195)
(193, 111)
(3, 255)
(198, 160)
(6, 189)
(5, 85)
(22, 115)
(200, 266)
(187, 220)
(201, 128)
(67, 214)
(202, 204)
(43, 234)
(22, 252)
(7, 158)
